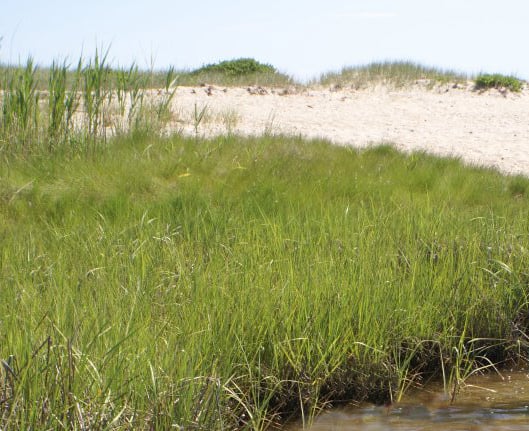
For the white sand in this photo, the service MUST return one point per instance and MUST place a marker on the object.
(490, 128)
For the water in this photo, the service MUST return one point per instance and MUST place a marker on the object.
(490, 402)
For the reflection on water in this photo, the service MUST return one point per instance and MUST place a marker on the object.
(485, 403)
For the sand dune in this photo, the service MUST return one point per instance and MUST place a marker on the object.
(489, 128)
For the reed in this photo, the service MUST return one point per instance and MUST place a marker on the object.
(95, 93)
(20, 109)
(61, 108)
(130, 94)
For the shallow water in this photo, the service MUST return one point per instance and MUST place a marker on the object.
(490, 402)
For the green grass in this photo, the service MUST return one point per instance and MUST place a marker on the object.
(234, 283)
(248, 71)
(276, 79)
(228, 73)
(498, 81)
(237, 67)
(242, 71)
(151, 283)
(77, 110)
(399, 74)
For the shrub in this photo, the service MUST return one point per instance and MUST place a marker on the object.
(498, 81)
(238, 67)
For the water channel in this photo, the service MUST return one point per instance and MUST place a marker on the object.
(490, 402)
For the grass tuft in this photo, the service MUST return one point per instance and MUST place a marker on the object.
(498, 81)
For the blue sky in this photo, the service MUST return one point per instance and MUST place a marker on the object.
(300, 37)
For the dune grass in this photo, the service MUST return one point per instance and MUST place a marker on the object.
(265, 79)
(249, 72)
(240, 72)
(393, 73)
(235, 283)
(244, 72)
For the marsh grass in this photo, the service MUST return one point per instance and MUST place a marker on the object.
(398, 74)
(75, 109)
(130, 85)
(234, 283)
(154, 282)
(20, 108)
(62, 104)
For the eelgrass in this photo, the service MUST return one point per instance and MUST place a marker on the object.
(232, 283)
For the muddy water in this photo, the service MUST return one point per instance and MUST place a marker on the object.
(486, 403)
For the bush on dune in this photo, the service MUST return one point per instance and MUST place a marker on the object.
(498, 81)
(238, 67)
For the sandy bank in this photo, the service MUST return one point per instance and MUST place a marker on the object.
(490, 128)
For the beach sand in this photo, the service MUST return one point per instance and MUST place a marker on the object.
(489, 128)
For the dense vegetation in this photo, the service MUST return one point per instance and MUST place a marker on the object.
(242, 71)
(231, 283)
(238, 67)
(245, 71)
(156, 282)
(248, 71)
(499, 82)
(77, 110)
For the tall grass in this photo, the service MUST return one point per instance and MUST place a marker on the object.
(95, 93)
(230, 283)
(156, 283)
(20, 109)
(76, 109)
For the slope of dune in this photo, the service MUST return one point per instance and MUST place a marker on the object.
(485, 128)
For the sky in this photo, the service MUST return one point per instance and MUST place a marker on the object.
(303, 38)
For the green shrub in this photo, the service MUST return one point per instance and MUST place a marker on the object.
(498, 81)
(238, 67)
